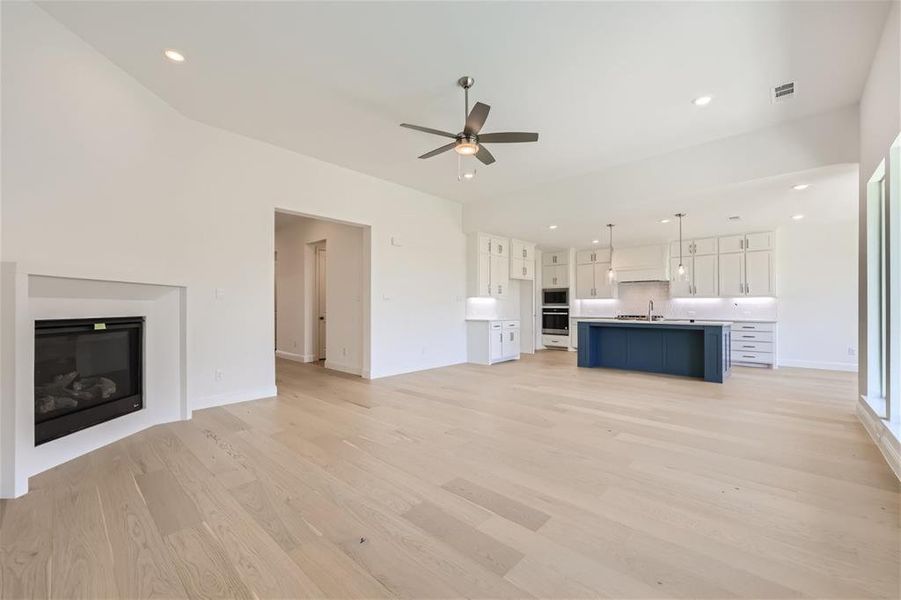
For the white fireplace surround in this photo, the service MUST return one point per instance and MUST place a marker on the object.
(31, 294)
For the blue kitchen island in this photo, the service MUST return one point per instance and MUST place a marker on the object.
(698, 349)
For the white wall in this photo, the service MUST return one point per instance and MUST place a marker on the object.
(880, 123)
(295, 273)
(107, 179)
(816, 271)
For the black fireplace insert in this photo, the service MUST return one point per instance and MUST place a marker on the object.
(86, 371)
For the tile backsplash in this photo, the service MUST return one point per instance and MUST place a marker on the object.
(633, 300)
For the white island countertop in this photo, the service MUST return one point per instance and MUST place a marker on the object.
(659, 322)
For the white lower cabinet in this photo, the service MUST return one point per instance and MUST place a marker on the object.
(555, 341)
(489, 342)
(754, 343)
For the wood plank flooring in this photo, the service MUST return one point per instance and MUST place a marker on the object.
(526, 479)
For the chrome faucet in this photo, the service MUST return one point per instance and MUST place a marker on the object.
(650, 310)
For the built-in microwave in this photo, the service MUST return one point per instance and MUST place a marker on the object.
(555, 297)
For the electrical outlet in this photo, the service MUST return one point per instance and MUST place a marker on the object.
(852, 351)
(692, 313)
(343, 351)
(295, 344)
(219, 374)
(220, 293)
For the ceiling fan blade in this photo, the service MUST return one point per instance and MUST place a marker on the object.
(484, 156)
(508, 137)
(428, 130)
(476, 118)
(438, 151)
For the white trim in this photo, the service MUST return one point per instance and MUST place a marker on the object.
(813, 364)
(233, 398)
(883, 435)
(302, 358)
(344, 368)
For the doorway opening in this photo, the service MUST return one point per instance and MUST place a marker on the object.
(322, 292)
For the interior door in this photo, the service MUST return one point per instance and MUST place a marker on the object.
(321, 299)
(705, 275)
(732, 274)
(759, 275)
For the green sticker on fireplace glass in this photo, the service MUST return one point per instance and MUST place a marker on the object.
(99, 326)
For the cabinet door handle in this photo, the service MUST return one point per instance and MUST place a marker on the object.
(554, 260)
(524, 253)
(511, 336)
(746, 356)
(500, 289)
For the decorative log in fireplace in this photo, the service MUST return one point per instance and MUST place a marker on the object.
(86, 372)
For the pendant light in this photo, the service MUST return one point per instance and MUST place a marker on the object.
(681, 268)
(611, 275)
(464, 174)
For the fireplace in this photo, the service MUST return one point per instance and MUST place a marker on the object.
(86, 372)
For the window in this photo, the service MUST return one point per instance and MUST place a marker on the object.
(877, 291)
(894, 292)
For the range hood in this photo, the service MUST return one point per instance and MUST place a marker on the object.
(642, 264)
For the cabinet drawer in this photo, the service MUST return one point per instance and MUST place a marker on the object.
(511, 324)
(764, 358)
(756, 336)
(557, 341)
(745, 345)
(753, 327)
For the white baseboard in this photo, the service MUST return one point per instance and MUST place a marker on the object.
(344, 368)
(302, 358)
(887, 442)
(812, 364)
(233, 398)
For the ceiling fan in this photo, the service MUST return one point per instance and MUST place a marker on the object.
(469, 142)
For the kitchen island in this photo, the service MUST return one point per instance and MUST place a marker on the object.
(700, 349)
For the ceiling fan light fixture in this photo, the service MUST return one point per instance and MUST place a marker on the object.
(466, 148)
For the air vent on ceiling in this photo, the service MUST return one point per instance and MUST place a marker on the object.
(783, 92)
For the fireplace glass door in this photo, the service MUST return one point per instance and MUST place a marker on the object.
(86, 371)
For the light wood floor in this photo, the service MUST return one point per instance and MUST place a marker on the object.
(528, 479)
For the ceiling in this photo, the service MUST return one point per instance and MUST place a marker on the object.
(603, 83)
(762, 204)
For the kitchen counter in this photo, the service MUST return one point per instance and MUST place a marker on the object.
(660, 322)
(701, 349)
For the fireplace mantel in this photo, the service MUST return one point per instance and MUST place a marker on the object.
(33, 293)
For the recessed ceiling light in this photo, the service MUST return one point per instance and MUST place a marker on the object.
(702, 100)
(801, 186)
(552, 227)
(797, 217)
(595, 241)
(664, 220)
(174, 56)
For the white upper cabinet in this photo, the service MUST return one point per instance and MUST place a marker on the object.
(705, 276)
(732, 274)
(595, 255)
(500, 246)
(522, 260)
(555, 258)
(523, 250)
(680, 287)
(759, 273)
(488, 273)
(555, 276)
(593, 282)
(759, 241)
(703, 246)
(732, 243)
(746, 264)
